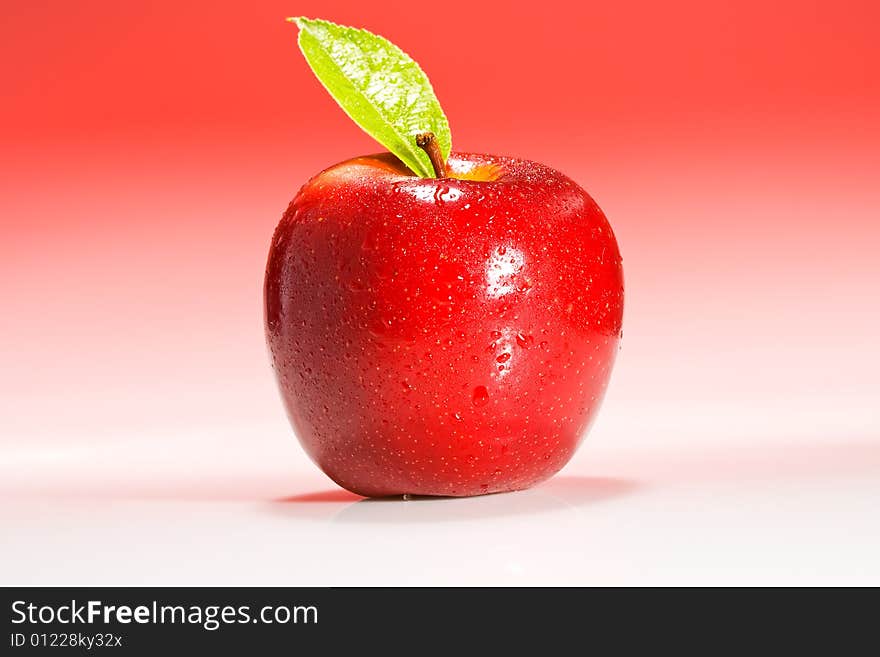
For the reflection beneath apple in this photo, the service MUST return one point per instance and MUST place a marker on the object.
(560, 494)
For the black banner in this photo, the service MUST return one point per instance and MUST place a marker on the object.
(315, 620)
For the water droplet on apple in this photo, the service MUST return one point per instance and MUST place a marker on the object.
(524, 341)
(446, 194)
(369, 243)
(524, 284)
(379, 326)
(503, 358)
(480, 396)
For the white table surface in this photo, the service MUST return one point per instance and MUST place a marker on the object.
(240, 505)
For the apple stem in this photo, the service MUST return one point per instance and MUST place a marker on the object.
(428, 143)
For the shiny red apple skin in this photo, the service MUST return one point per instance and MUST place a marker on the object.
(442, 336)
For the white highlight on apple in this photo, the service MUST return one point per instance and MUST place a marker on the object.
(502, 269)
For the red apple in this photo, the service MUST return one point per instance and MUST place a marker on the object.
(442, 336)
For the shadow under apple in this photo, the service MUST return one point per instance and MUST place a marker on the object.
(558, 494)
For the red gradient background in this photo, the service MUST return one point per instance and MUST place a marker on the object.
(149, 148)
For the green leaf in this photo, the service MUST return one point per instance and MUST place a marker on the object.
(379, 86)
